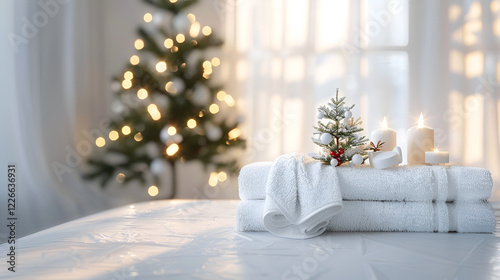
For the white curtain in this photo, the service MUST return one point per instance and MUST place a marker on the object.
(52, 92)
(393, 58)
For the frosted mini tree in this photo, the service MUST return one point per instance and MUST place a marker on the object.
(337, 134)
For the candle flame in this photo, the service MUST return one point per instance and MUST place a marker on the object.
(384, 124)
(421, 120)
(436, 150)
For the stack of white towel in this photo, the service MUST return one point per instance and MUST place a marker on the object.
(298, 197)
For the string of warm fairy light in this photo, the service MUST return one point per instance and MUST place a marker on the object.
(113, 135)
(215, 178)
(161, 66)
(154, 112)
(153, 190)
(142, 93)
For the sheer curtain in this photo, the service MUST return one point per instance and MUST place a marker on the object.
(52, 91)
(393, 58)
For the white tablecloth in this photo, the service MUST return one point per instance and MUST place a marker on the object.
(183, 239)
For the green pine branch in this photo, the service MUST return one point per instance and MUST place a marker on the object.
(343, 131)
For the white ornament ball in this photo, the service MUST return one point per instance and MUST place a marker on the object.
(164, 136)
(357, 159)
(152, 150)
(158, 166)
(117, 107)
(179, 84)
(201, 95)
(348, 114)
(325, 138)
(214, 133)
(177, 138)
(320, 115)
(181, 22)
(334, 162)
(158, 19)
(347, 121)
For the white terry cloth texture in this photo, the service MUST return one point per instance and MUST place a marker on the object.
(301, 197)
(361, 216)
(403, 183)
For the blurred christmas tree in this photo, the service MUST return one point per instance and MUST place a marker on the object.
(166, 109)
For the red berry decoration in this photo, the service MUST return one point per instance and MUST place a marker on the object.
(341, 151)
(334, 154)
(340, 162)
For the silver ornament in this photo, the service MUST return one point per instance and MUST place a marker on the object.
(334, 162)
(117, 107)
(320, 115)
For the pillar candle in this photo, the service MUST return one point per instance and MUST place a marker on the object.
(386, 135)
(420, 140)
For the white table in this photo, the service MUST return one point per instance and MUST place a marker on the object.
(185, 239)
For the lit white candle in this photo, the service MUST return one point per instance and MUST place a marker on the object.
(437, 157)
(420, 140)
(386, 135)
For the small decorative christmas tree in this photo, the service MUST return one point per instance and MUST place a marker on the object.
(337, 134)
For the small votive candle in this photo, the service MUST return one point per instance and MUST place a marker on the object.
(437, 157)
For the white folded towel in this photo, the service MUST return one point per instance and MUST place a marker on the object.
(473, 217)
(404, 183)
(301, 197)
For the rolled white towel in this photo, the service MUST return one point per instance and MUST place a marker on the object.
(474, 217)
(299, 203)
(405, 183)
